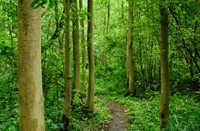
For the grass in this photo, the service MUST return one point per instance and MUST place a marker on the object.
(143, 114)
(84, 121)
(81, 118)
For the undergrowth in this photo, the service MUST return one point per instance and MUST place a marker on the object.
(143, 114)
(81, 118)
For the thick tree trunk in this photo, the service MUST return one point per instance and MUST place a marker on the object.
(164, 104)
(67, 70)
(31, 113)
(75, 35)
(129, 47)
(83, 46)
(90, 99)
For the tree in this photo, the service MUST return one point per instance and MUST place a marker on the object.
(31, 114)
(83, 44)
(75, 36)
(164, 104)
(67, 72)
(108, 16)
(57, 23)
(191, 50)
(129, 47)
(90, 99)
(122, 12)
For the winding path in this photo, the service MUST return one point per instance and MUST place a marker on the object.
(119, 119)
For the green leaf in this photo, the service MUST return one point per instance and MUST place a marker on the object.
(37, 3)
(51, 3)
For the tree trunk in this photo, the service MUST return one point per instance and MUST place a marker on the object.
(67, 70)
(129, 47)
(108, 16)
(122, 12)
(90, 99)
(164, 104)
(83, 45)
(31, 113)
(75, 35)
(57, 23)
(150, 63)
(57, 51)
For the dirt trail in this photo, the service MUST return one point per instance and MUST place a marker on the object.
(119, 119)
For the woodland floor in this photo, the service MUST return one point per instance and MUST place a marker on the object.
(119, 118)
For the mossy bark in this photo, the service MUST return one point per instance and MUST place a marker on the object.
(164, 104)
(31, 112)
(67, 69)
(83, 44)
(129, 47)
(75, 36)
(90, 99)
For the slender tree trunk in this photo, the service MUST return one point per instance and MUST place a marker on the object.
(122, 12)
(83, 42)
(150, 63)
(10, 29)
(108, 16)
(57, 23)
(164, 104)
(31, 113)
(75, 35)
(90, 99)
(191, 66)
(104, 23)
(57, 51)
(194, 40)
(129, 47)
(67, 70)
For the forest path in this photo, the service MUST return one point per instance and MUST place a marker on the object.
(119, 118)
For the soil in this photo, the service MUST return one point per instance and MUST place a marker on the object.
(119, 118)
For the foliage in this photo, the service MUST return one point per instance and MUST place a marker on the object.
(110, 61)
(143, 114)
(80, 116)
(83, 116)
(41, 3)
